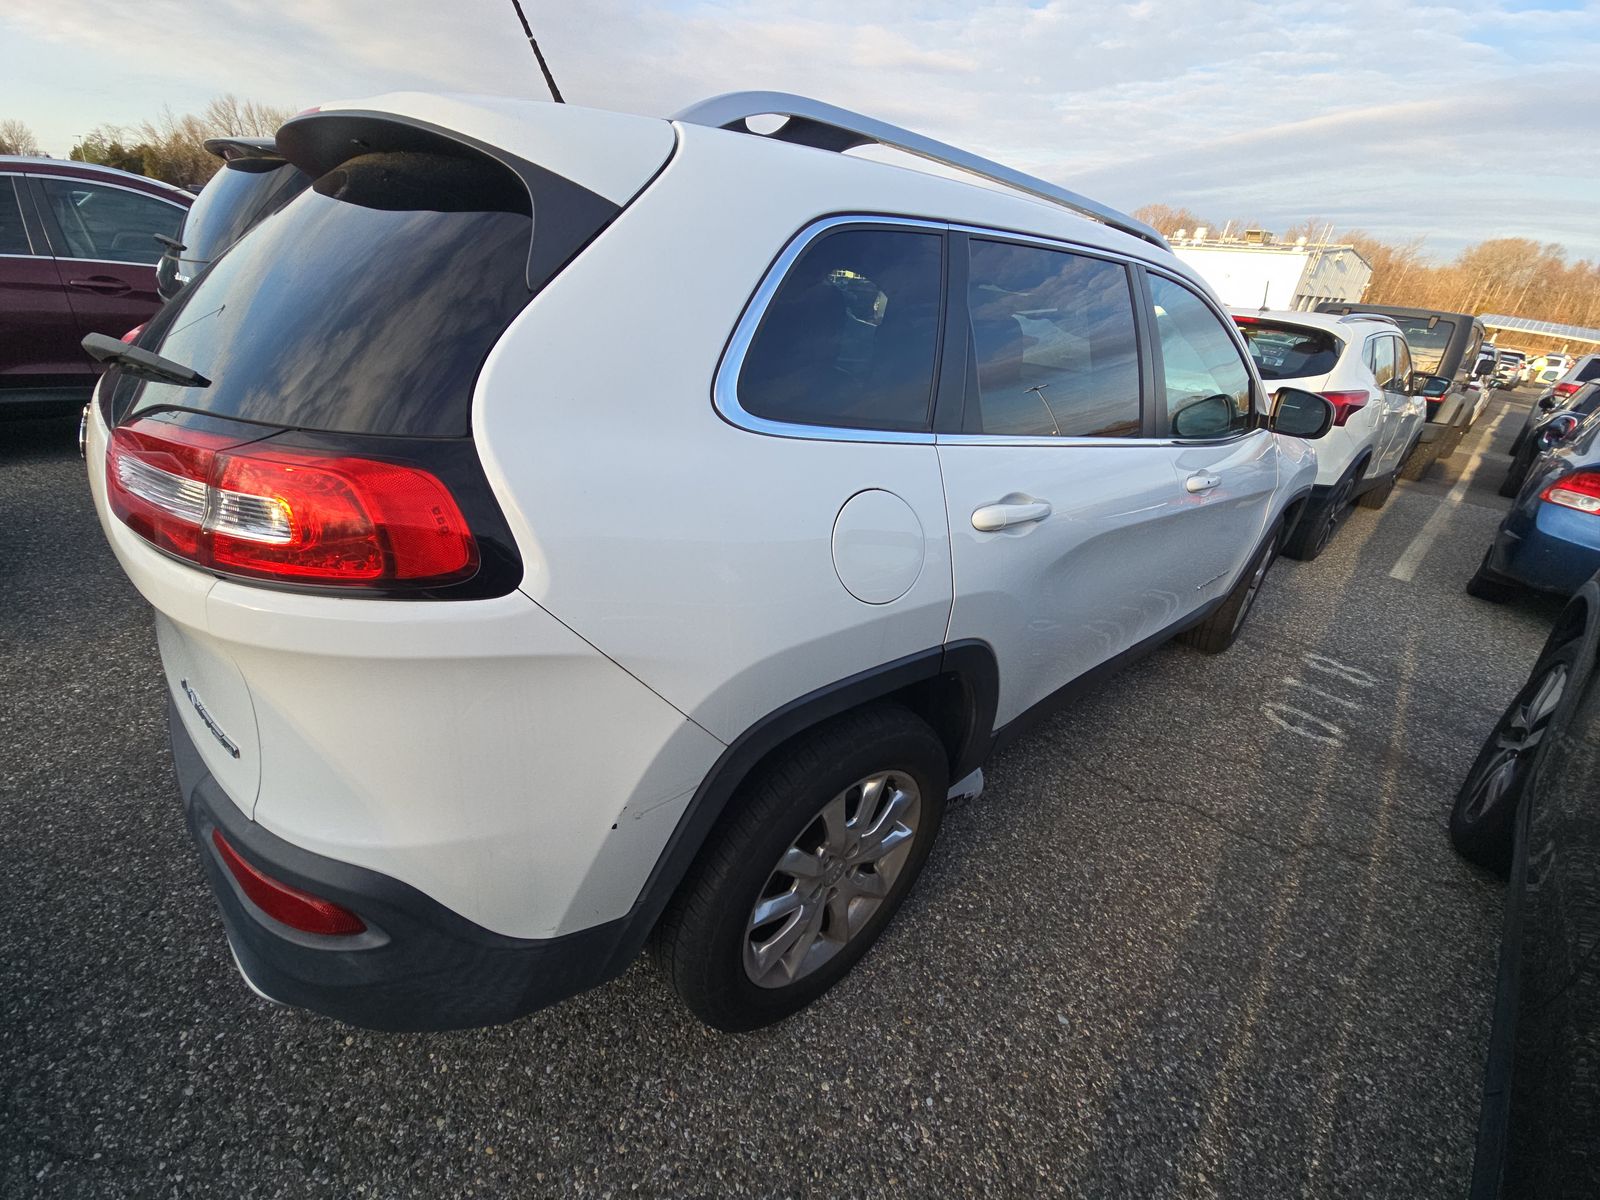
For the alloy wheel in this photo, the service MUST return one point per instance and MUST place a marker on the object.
(833, 877)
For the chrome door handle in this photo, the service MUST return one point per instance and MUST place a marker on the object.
(1202, 483)
(993, 517)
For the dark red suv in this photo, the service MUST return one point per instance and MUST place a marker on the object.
(78, 248)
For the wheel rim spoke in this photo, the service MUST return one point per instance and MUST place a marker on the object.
(825, 887)
(774, 907)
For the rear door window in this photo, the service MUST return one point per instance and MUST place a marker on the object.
(850, 337)
(1206, 382)
(109, 224)
(13, 236)
(1381, 358)
(1053, 344)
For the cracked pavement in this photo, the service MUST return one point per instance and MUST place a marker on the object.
(1202, 935)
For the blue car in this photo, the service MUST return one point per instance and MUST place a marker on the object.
(1550, 540)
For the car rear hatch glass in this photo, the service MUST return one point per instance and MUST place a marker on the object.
(240, 194)
(1428, 342)
(1285, 351)
(366, 306)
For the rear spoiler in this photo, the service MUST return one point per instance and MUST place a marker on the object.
(230, 148)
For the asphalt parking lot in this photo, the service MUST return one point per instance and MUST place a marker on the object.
(1203, 935)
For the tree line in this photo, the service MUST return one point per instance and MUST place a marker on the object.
(170, 148)
(1515, 277)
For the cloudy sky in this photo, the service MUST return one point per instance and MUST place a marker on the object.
(1449, 122)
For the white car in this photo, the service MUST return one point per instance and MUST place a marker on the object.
(1362, 364)
(527, 587)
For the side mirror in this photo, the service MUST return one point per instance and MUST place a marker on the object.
(1557, 431)
(1483, 368)
(1207, 418)
(1429, 386)
(1547, 402)
(1301, 414)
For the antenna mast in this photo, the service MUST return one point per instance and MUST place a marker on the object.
(549, 79)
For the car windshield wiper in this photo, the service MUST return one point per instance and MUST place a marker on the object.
(144, 364)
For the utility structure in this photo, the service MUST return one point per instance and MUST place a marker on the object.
(1254, 270)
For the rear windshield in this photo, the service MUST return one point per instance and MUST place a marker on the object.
(1290, 351)
(1589, 370)
(366, 306)
(240, 194)
(1427, 345)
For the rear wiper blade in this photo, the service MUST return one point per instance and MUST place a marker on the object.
(144, 364)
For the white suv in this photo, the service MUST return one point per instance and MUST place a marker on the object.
(1362, 364)
(565, 527)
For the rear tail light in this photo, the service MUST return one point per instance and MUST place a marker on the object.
(294, 908)
(1580, 490)
(1345, 404)
(1566, 389)
(275, 512)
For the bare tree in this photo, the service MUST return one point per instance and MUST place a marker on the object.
(17, 138)
(175, 145)
(1166, 220)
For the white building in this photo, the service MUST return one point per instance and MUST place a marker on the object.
(1253, 271)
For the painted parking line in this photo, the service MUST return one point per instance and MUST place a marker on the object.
(1405, 567)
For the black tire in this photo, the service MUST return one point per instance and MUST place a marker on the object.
(1418, 461)
(1487, 585)
(1377, 497)
(1483, 821)
(1221, 629)
(701, 941)
(1320, 522)
(1516, 476)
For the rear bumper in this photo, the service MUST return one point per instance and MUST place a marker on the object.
(419, 966)
(1536, 554)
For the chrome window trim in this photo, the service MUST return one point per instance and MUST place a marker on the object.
(725, 386)
(104, 183)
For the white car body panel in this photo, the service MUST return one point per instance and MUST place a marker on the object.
(1053, 598)
(479, 751)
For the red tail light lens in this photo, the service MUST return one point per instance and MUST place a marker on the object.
(1566, 389)
(296, 909)
(275, 512)
(1580, 490)
(1346, 404)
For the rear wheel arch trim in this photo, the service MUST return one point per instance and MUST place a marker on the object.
(971, 664)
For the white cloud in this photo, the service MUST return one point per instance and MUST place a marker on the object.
(1405, 118)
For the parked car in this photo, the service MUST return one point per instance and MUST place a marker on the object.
(1554, 425)
(77, 256)
(1362, 365)
(1530, 809)
(1444, 347)
(1554, 399)
(483, 665)
(1550, 539)
(1584, 369)
(1508, 367)
(254, 182)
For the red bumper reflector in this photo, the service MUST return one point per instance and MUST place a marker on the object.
(294, 908)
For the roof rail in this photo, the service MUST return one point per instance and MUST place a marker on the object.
(825, 127)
